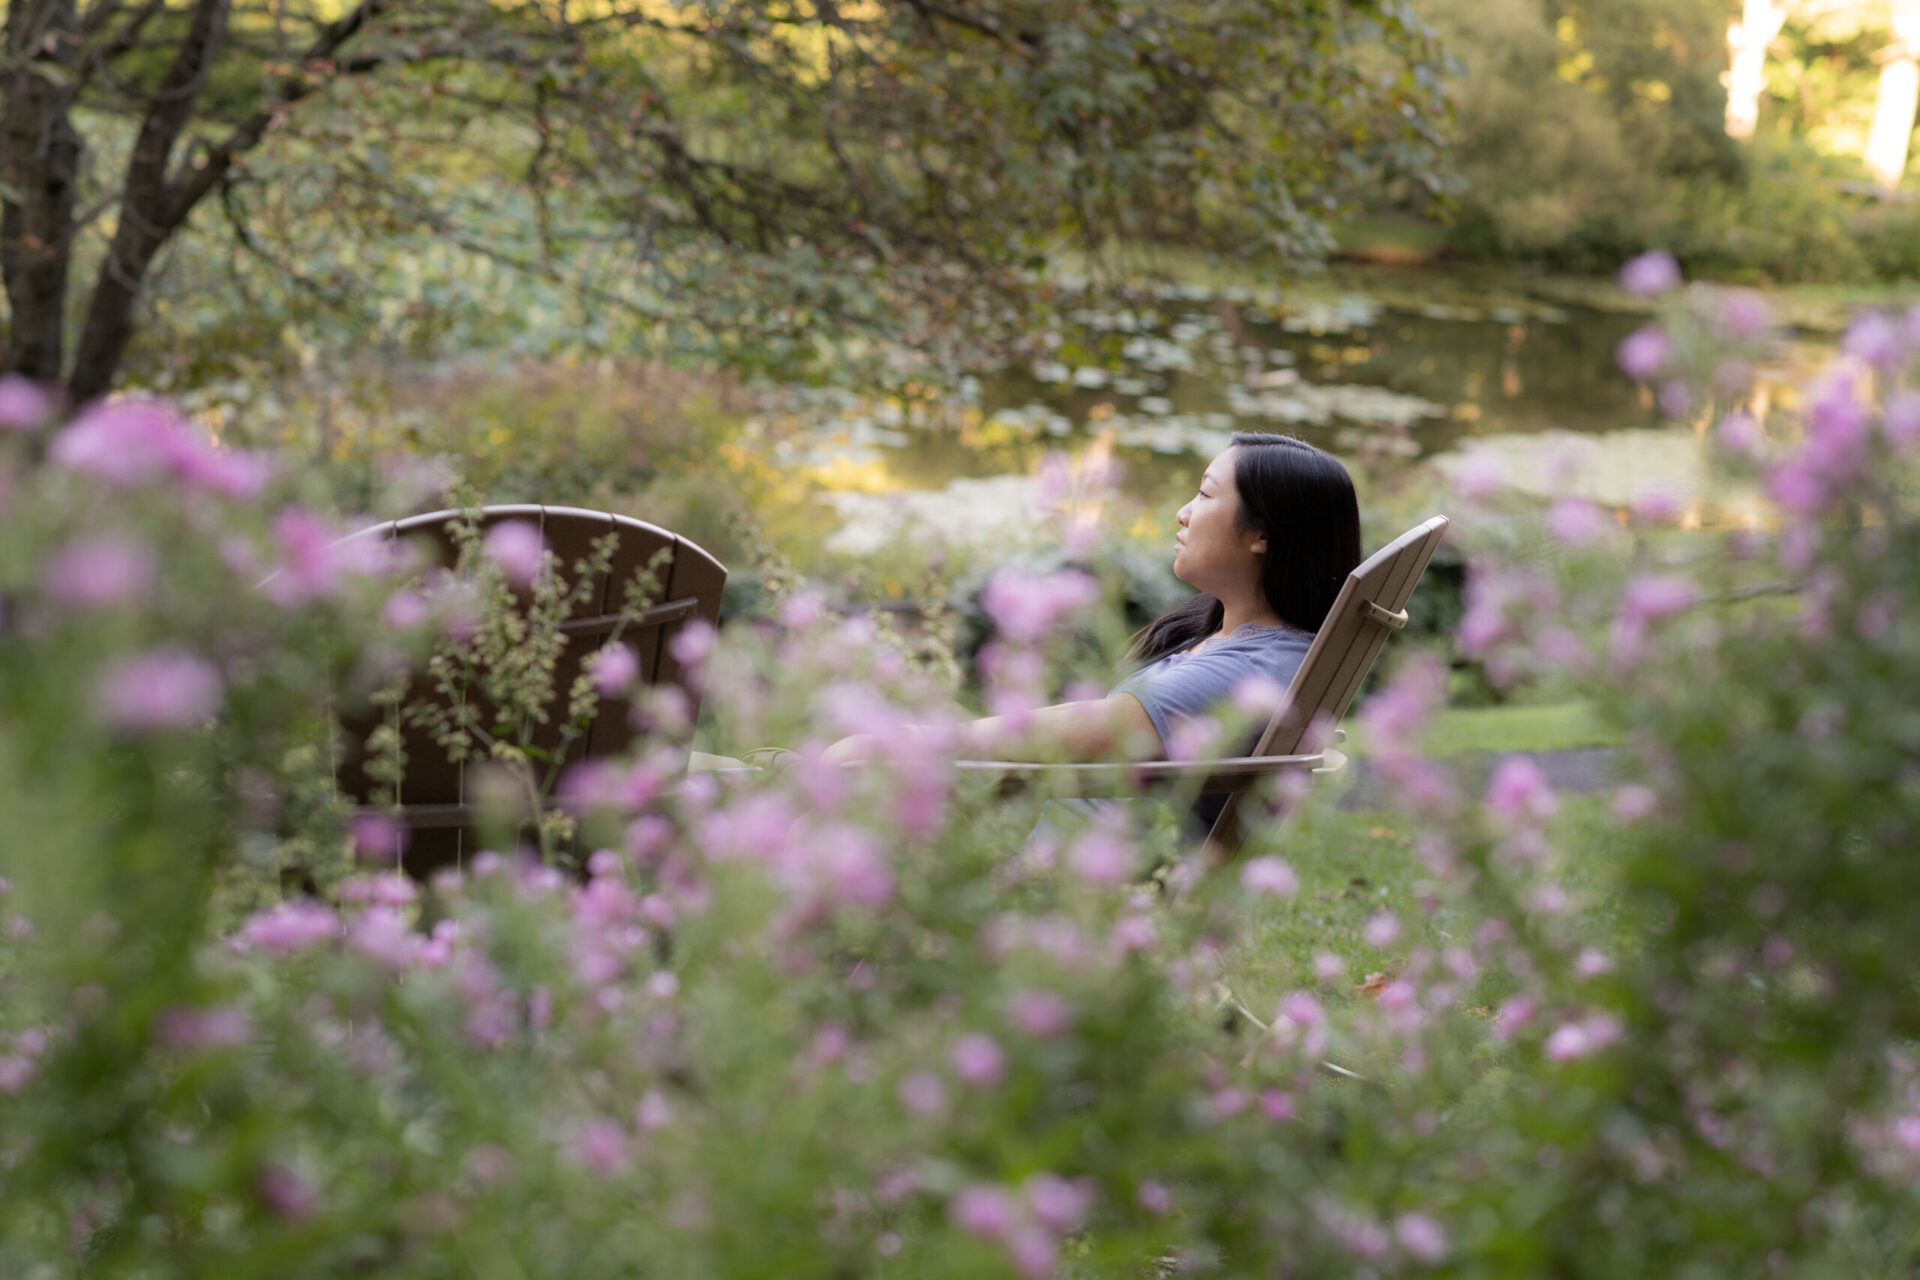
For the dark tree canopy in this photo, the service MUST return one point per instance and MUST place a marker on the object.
(750, 165)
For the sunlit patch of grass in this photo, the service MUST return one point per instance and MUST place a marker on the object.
(1459, 730)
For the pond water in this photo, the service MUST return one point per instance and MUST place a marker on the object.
(1380, 375)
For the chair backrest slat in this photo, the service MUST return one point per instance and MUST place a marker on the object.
(1342, 653)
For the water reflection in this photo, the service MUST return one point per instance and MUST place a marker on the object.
(1165, 383)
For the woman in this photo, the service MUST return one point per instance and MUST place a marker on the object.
(1267, 541)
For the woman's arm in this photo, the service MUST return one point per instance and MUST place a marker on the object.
(1078, 731)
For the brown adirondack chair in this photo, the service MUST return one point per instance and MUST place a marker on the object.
(1371, 604)
(433, 801)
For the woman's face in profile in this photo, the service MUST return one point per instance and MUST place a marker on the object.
(1212, 551)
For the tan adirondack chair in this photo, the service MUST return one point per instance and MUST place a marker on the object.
(433, 800)
(1371, 604)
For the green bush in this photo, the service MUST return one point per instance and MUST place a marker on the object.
(838, 1022)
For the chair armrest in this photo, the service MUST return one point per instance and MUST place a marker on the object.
(1213, 777)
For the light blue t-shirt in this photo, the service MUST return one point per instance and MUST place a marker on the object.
(1185, 686)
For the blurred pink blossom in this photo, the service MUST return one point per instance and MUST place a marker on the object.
(291, 927)
(15, 1073)
(1874, 338)
(99, 572)
(922, 1093)
(1034, 1251)
(1591, 963)
(1026, 607)
(405, 610)
(1423, 1238)
(1583, 1038)
(614, 669)
(24, 405)
(1037, 1012)
(1902, 421)
(1269, 875)
(984, 1209)
(978, 1060)
(1276, 1105)
(215, 1027)
(1060, 1203)
(1633, 802)
(692, 643)
(1101, 858)
(1328, 968)
(601, 1148)
(1644, 353)
(1578, 522)
(1652, 596)
(1518, 791)
(1649, 274)
(1743, 314)
(160, 689)
(378, 836)
(1739, 433)
(518, 549)
(1154, 1197)
(286, 1193)
(1381, 931)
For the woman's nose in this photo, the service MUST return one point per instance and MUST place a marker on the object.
(1183, 515)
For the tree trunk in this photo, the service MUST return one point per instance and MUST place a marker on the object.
(151, 210)
(1747, 41)
(39, 167)
(1893, 110)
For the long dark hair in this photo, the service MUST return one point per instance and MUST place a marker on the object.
(1302, 500)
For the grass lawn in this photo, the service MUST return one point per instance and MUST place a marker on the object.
(1355, 864)
(1551, 727)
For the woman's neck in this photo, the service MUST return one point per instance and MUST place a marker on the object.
(1247, 611)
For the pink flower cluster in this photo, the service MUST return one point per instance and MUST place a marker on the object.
(1029, 1222)
(165, 688)
(1027, 607)
(128, 443)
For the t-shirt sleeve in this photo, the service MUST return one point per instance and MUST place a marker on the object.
(1188, 688)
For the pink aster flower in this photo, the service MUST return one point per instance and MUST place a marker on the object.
(978, 1060)
(125, 443)
(922, 1093)
(194, 1029)
(1269, 875)
(286, 1193)
(1743, 314)
(1034, 1251)
(1650, 274)
(1026, 607)
(614, 670)
(160, 689)
(1382, 931)
(1653, 596)
(1154, 1197)
(1577, 522)
(16, 1072)
(1901, 424)
(1644, 353)
(1519, 792)
(291, 927)
(24, 405)
(99, 572)
(1581, 1039)
(600, 1147)
(1039, 1013)
(1060, 1203)
(1101, 858)
(1874, 338)
(1423, 1238)
(378, 836)
(518, 549)
(985, 1210)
